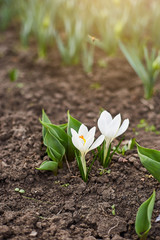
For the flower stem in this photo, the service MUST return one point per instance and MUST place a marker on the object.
(106, 148)
(84, 164)
(143, 237)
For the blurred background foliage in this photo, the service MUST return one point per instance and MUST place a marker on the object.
(76, 27)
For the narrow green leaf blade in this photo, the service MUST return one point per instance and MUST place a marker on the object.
(150, 159)
(46, 120)
(143, 217)
(147, 59)
(135, 62)
(72, 123)
(80, 166)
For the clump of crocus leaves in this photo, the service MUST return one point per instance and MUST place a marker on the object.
(73, 140)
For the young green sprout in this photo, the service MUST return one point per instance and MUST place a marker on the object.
(148, 128)
(113, 210)
(128, 146)
(110, 129)
(83, 140)
(147, 72)
(65, 185)
(19, 190)
(13, 74)
(104, 171)
(143, 217)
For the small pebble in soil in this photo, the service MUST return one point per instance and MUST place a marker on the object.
(136, 164)
(39, 225)
(132, 159)
(142, 169)
(122, 159)
(33, 233)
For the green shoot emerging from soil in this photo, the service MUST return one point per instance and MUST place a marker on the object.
(113, 210)
(148, 73)
(104, 171)
(19, 190)
(143, 218)
(128, 146)
(148, 128)
(13, 74)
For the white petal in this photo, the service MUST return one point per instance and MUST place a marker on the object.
(77, 143)
(89, 142)
(113, 127)
(91, 132)
(123, 127)
(97, 143)
(107, 116)
(83, 130)
(74, 133)
(103, 121)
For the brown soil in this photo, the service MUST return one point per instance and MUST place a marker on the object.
(49, 209)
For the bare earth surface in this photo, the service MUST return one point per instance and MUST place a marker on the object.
(63, 207)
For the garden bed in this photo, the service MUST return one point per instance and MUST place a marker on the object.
(63, 206)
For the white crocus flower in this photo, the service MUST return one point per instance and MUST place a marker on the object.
(83, 140)
(111, 128)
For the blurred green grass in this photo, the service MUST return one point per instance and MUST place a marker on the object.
(67, 25)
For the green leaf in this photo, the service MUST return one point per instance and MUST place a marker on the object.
(80, 166)
(57, 141)
(45, 119)
(49, 165)
(56, 131)
(16, 189)
(51, 154)
(55, 146)
(72, 123)
(70, 152)
(150, 159)
(135, 62)
(63, 126)
(149, 59)
(51, 138)
(13, 74)
(143, 217)
(62, 136)
(132, 143)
